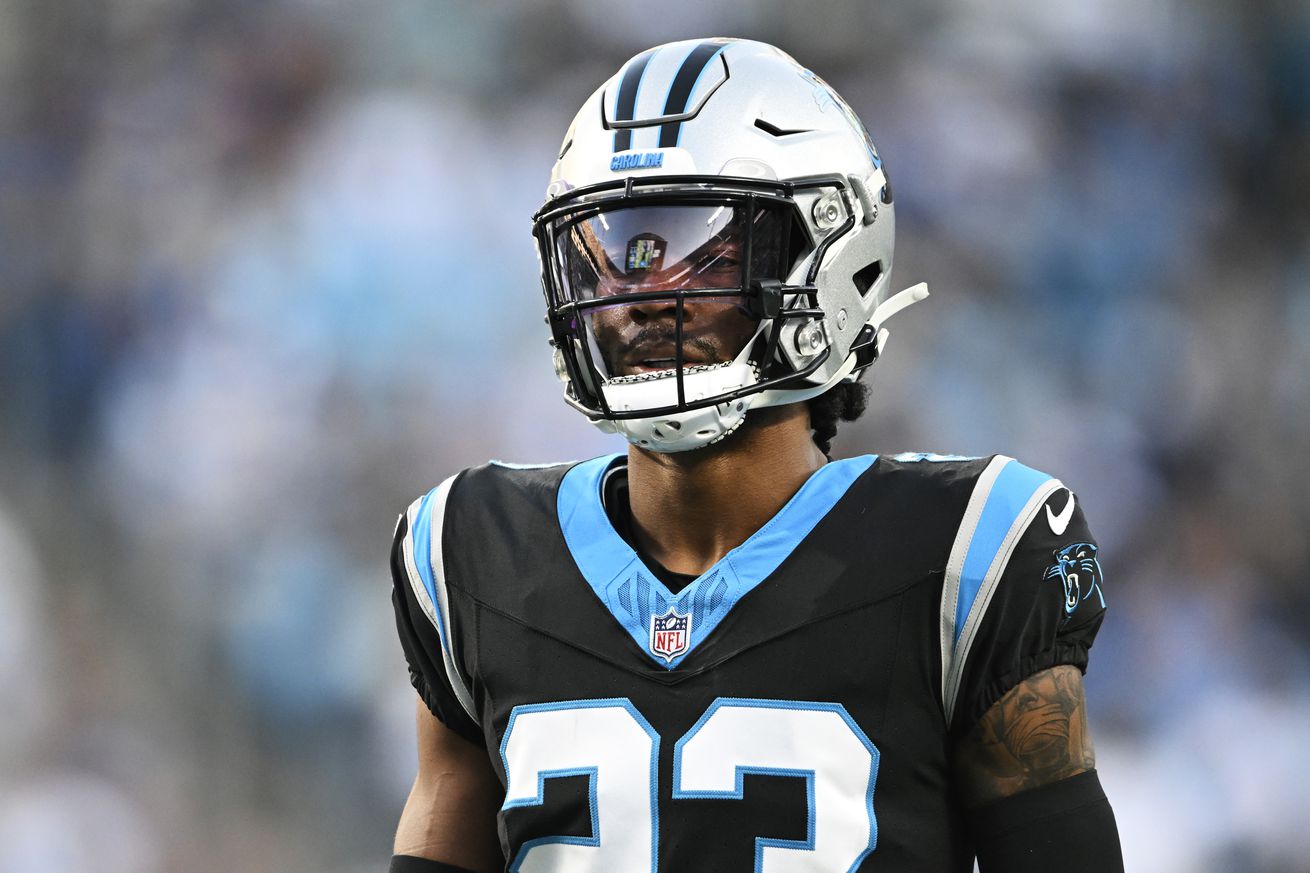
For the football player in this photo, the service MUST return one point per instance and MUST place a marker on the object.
(724, 650)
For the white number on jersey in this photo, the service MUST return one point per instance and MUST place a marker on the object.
(611, 743)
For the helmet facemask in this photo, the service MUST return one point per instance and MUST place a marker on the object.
(667, 302)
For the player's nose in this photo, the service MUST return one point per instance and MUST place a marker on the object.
(659, 309)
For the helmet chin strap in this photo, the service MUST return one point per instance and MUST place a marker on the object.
(697, 428)
(694, 428)
(885, 310)
(783, 396)
(894, 304)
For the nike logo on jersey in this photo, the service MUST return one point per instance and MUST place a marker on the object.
(1059, 522)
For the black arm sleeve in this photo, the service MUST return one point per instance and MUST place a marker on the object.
(1066, 826)
(422, 644)
(1045, 612)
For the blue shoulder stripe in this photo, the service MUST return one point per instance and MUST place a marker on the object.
(1009, 494)
(422, 535)
(425, 569)
(1003, 503)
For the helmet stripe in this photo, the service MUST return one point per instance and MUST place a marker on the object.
(683, 84)
(626, 102)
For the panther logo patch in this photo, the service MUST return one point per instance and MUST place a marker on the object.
(1077, 567)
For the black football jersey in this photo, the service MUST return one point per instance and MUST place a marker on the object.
(792, 709)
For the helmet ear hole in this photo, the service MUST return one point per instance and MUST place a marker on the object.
(866, 277)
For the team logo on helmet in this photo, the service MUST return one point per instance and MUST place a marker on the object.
(1078, 569)
(670, 634)
(824, 96)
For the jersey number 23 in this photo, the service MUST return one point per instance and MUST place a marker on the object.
(612, 744)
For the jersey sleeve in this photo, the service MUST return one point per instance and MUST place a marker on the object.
(424, 618)
(1030, 594)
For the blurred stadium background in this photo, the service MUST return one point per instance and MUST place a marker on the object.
(265, 276)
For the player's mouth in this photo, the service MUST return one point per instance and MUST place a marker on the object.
(653, 365)
(646, 362)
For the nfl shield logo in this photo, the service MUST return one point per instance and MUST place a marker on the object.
(670, 634)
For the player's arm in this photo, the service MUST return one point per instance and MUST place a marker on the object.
(1026, 773)
(449, 821)
(1035, 735)
(450, 816)
(1023, 764)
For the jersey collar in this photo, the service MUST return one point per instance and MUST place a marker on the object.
(636, 597)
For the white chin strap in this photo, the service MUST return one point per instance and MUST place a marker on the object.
(681, 431)
(697, 428)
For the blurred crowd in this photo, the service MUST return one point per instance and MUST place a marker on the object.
(266, 276)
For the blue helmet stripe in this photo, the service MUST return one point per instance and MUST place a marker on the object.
(625, 103)
(684, 83)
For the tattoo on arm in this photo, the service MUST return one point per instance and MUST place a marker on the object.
(1034, 735)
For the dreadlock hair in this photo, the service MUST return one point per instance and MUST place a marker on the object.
(845, 401)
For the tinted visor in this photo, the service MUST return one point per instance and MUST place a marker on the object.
(645, 249)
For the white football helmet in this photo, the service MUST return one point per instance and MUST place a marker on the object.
(717, 236)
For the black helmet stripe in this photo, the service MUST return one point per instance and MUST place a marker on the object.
(626, 104)
(680, 91)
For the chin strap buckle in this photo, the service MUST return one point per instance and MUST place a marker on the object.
(865, 348)
(871, 339)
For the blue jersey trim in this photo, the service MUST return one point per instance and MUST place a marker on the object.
(1014, 486)
(422, 534)
(633, 594)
